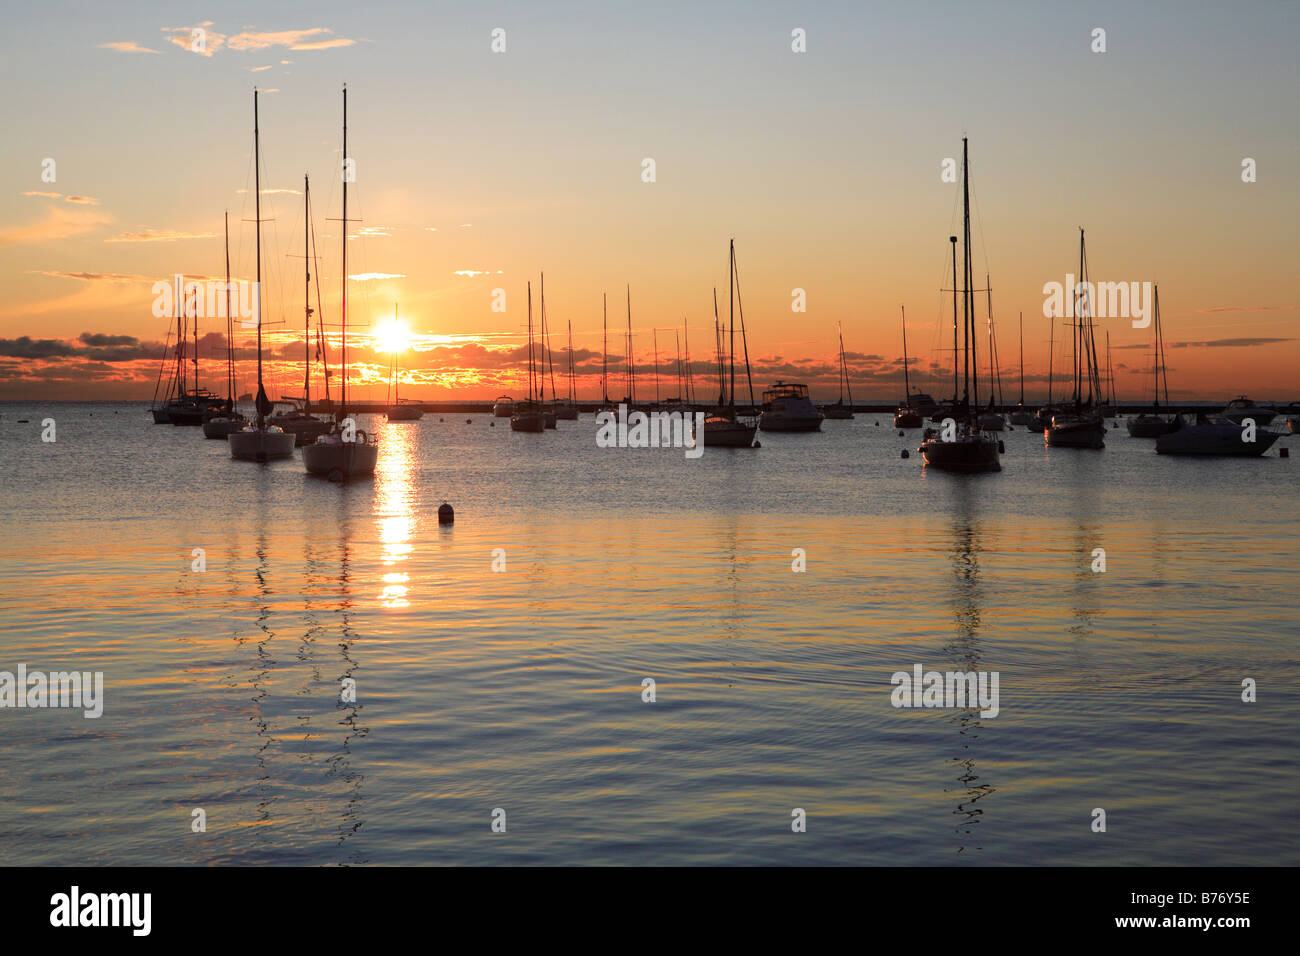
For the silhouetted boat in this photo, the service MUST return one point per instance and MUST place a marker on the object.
(528, 415)
(839, 411)
(1081, 426)
(1214, 435)
(723, 427)
(401, 410)
(964, 448)
(1154, 424)
(221, 422)
(1241, 408)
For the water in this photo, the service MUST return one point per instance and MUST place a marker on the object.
(521, 689)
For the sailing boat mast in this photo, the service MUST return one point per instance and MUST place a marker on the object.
(631, 371)
(690, 379)
(654, 338)
(604, 325)
(1022, 358)
(230, 330)
(343, 317)
(956, 347)
(262, 401)
(971, 390)
(907, 385)
(572, 390)
(731, 280)
(718, 350)
(306, 293)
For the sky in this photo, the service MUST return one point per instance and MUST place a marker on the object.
(479, 170)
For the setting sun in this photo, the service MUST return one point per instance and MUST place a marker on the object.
(392, 336)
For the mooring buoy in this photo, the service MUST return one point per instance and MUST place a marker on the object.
(1284, 453)
(446, 514)
(906, 453)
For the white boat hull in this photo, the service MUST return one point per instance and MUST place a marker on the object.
(252, 444)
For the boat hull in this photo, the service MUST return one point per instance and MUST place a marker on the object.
(567, 412)
(992, 422)
(405, 413)
(837, 412)
(1149, 426)
(1076, 431)
(252, 444)
(528, 422)
(728, 434)
(908, 418)
(501, 410)
(339, 460)
(968, 454)
(223, 427)
(1214, 440)
(160, 416)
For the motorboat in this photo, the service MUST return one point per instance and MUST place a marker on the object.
(503, 407)
(1241, 408)
(1214, 435)
(787, 408)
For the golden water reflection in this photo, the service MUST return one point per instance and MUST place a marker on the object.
(395, 511)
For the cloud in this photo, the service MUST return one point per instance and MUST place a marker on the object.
(126, 46)
(26, 347)
(257, 69)
(208, 42)
(159, 235)
(79, 200)
(115, 277)
(367, 276)
(1248, 308)
(1211, 344)
(59, 223)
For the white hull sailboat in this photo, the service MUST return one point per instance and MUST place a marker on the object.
(839, 411)
(221, 424)
(345, 452)
(259, 441)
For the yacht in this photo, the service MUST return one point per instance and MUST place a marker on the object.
(840, 411)
(529, 415)
(723, 427)
(1213, 435)
(345, 451)
(1081, 426)
(402, 409)
(503, 407)
(908, 414)
(259, 441)
(1241, 408)
(787, 408)
(968, 449)
(1154, 424)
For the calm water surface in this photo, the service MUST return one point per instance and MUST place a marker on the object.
(521, 689)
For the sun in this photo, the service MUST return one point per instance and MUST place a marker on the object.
(392, 336)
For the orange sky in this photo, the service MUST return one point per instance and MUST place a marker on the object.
(476, 170)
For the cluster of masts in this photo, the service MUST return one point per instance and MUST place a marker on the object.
(965, 442)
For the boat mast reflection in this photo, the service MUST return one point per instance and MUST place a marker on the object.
(965, 651)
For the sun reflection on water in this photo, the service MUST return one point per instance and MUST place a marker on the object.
(394, 511)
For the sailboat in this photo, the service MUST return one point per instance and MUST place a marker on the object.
(345, 451)
(1043, 417)
(528, 415)
(1022, 415)
(294, 414)
(907, 415)
(547, 363)
(1082, 426)
(227, 420)
(259, 441)
(605, 405)
(990, 420)
(723, 428)
(839, 410)
(187, 405)
(1154, 424)
(967, 448)
(567, 408)
(399, 411)
(630, 399)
